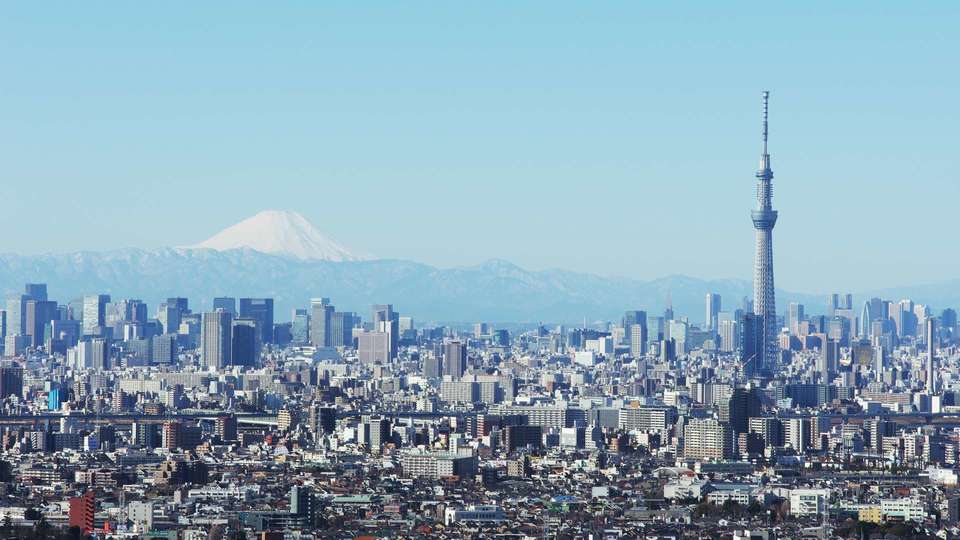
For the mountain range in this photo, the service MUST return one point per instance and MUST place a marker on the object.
(281, 255)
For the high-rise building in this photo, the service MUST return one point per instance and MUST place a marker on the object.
(82, 512)
(300, 327)
(743, 405)
(751, 343)
(729, 332)
(341, 329)
(216, 340)
(164, 349)
(764, 218)
(321, 319)
(226, 303)
(388, 321)
(36, 291)
(454, 359)
(11, 380)
(95, 314)
(245, 343)
(225, 427)
(17, 314)
(638, 339)
(794, 317)
(713, 308)
(931, 339)
(38, 315)
(373, 348)
(261, 310)
(707, 439)
(631, 318)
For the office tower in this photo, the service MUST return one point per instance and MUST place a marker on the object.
(742, 405)
(433, 367)
(713, 308)
(164, 349)
(638, 340)
(169, 318)
(764, 219)
(668, 311)
(373, 348)
(321, 317)
(388, 321)
(631, 318)
(655, 330)
(751, 343)
(36, 291)
(406, 324)
(94, 314)
(17, 314)
(94, 353)
(480, 329)
(38, 315)
(226, 303)
(828, 360)
(182, 305)
(11, 380)
(341, 329)
(795, 317)
(216, 339)
(261, 310)
(931, 352)
(323, 419)
(948, 322)
(300, 327)
(729, 332)
(245, 343)
(376, 433)
(454, 359)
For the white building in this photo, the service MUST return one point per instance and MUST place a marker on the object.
(808, 502)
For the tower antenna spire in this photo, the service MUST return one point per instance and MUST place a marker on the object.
(766, 99)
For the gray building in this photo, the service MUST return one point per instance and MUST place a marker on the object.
(216, 339)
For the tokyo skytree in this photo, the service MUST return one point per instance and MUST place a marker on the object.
(764, 218)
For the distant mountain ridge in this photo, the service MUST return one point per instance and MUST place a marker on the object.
(495, 291)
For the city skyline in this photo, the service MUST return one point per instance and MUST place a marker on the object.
(657, 152)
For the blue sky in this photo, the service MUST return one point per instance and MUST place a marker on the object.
(612, 137)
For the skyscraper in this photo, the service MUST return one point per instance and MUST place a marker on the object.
(216, 339)
(764, 218)
(95, 314)
(245, 343)
(261, 310)
(385, 319)
(321, 316)
(454, 359)
(931, 351)
(713, 308)
(226, 303)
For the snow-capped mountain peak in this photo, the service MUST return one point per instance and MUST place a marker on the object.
(279, 232)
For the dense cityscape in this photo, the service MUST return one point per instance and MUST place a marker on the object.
(123, 420)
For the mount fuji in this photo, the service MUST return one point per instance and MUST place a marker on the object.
(279, 232)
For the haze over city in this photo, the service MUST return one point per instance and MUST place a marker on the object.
(551, 137)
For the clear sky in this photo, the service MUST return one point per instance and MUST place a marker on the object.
(619, 138)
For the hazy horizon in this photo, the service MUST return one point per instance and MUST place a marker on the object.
(616, 139)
